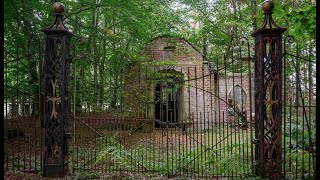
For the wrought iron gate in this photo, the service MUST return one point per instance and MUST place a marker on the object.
(168, 126)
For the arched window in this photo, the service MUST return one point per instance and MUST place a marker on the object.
(238, 96)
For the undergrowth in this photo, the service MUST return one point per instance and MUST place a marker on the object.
(148, 158)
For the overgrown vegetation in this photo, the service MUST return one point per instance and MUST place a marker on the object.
(226, 159)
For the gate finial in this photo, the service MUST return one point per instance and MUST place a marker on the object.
(58, 23)
(267, 7)
(58, 7)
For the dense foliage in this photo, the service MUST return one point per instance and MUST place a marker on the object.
(109, 35)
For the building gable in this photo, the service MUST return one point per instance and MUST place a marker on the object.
(174, 50)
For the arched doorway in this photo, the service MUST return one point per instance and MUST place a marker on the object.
(168, 98)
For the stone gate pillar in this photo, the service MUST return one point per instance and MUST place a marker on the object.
(268, 95)
(56, 105)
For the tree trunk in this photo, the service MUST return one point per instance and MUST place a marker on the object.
(254, 15)
(95, 54)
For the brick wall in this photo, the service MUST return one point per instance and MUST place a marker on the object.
(226, 84)
(203, 98)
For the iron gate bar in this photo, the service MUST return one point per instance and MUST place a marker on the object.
(245, 41)
(234, 104)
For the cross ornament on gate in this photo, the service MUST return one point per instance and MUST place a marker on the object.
(53, 99)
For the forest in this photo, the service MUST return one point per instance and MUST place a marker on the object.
(108, 35)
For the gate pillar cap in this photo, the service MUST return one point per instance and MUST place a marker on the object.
(268, 26)
(58, 7)
(57, 27)
(267, 6)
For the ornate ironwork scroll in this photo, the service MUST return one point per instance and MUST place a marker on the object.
(268, 95)
(56, 106)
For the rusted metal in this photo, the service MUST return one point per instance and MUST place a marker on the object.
(268, 96)
(56, 105)
(249, 59)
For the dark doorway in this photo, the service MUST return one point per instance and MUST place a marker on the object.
(167, 103)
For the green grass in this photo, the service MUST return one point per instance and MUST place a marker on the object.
(224, 160)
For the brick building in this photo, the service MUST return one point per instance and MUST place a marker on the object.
(189, 90)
